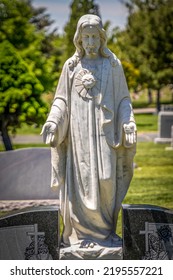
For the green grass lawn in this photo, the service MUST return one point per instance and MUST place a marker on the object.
(28, 129)
(146, 122)
(153, 178)
(152, 182)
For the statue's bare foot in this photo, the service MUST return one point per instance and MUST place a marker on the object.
(87, 244)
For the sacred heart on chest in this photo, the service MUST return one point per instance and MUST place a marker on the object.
(86, 84)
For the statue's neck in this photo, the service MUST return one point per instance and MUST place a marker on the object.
(92, 61)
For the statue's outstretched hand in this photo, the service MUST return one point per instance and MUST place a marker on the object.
(48, 132)
(130, 134)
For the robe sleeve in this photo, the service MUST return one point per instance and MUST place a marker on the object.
(59, 114)
(125, 111)
(116, 103)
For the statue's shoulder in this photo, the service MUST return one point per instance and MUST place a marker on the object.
(72, 62)
(113, 59)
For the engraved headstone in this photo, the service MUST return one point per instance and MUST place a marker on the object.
(147, 233)
(167, 107)
(32, 233)
(165, 121)
(25, 174)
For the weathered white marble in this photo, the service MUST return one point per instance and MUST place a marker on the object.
(97, 252)
(92, 132)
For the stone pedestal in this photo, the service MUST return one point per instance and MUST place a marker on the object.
(98, 252)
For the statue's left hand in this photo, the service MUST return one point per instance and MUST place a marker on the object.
(130, 134)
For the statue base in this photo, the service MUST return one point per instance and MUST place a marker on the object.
(74, 252)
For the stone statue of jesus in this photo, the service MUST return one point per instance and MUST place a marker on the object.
(92, 133)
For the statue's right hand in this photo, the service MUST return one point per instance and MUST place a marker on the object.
(48, 132)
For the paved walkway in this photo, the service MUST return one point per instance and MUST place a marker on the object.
(145, 111)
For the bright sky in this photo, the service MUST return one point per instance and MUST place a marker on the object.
(59, 10)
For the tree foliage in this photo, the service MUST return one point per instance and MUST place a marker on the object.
(115, 39)
(20, 99)
(29, 64)
(26, 28)
(149, 40)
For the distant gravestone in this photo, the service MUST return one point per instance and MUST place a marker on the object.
(165, 121)
(166, 107)
(147, 233)
(31, 234)
(171, 147)
(26, 174)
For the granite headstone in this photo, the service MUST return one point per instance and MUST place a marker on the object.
(171, 146)
(147, 232)
(25, 174)
(167, 107)
(165, 121)
(31, 234)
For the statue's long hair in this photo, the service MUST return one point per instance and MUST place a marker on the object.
(84, 21)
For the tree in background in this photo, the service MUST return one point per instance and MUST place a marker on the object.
(78, 9)
(29, 64)
(27, 29)
(115, 40)
(20, 93)
(148, 39)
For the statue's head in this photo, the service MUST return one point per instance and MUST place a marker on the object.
(94, 22)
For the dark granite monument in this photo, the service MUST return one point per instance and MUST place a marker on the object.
(31, 234)
(147, 233)
(25, 174)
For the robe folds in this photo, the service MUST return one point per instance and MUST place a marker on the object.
(91, 166)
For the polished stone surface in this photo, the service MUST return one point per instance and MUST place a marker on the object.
(147, 232)
(31, 233)
(25, 174)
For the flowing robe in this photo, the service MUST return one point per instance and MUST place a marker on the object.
(90, 164)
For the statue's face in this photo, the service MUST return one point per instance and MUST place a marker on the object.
(91, 41)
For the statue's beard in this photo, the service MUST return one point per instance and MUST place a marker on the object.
(91, 51)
